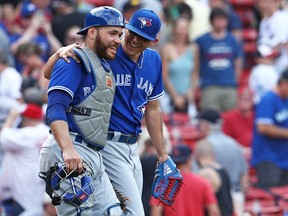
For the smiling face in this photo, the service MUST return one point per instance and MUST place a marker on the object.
(106, 41)
(133, 44)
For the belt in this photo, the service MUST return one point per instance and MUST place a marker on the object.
(79, 139)
(124, 138)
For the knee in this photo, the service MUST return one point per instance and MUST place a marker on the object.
(114, 210)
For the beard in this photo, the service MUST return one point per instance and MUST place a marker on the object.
(101, 48)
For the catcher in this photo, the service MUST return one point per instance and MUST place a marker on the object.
(80, 99)
(138, 73)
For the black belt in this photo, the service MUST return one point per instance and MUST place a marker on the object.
(124, 138)
(79, 139)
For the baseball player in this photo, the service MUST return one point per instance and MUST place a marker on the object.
(138, 73)
(79, 130)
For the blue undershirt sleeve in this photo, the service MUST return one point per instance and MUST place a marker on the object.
(58, 102)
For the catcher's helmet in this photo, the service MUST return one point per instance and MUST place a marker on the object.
(102, 16)
(145, 23)
(75, 188)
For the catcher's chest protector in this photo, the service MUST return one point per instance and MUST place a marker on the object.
(92, 115)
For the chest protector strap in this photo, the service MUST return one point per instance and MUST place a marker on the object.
(92, 114)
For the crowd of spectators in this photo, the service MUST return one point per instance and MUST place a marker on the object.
(201, 43)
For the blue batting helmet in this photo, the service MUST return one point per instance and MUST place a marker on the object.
(145, 23)
(103, 16)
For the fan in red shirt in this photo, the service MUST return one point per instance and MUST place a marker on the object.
(196, 195)
(238, 122)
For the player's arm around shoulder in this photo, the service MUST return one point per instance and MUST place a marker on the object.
(63, 52)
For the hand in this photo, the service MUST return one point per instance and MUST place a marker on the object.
(163, 158)
(72, 160)
(36, 23)
(180, 102)
(11, 118)
(67, 51)
(46, 27)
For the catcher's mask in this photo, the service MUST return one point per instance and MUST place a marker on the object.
(75, 188)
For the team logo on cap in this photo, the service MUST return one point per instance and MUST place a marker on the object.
(145, 22)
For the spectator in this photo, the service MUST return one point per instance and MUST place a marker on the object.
(228, 154)
(173, 10)
(21, 190)
(263, 76)
(36, 29)
(234, 21)
(8, 14)
(273, 30)
(195, 197)
(178, 66)
(218, 64)
(238, 122)
(216, 174)
(9, 94)
(42, 5)
(65, 17)
(129, 8)
(29, 54)
(270, 138)
(71, 36)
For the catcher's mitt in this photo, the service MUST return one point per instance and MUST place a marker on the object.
(167, 182)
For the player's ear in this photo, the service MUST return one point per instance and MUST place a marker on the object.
(92, 32)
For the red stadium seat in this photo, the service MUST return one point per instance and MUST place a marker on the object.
(258, 193)
(249, 34)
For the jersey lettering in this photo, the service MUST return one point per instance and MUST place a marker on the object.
(123, 80)
(282, 115)
(146, 86)
(86, 91)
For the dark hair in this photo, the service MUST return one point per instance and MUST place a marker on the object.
(129, 6)
(210, 115)
(217, 12)
(283, 76)
(28, 49)
(185, 11)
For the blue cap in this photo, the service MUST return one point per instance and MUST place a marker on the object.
(210, 115)
(180, 153)
(145, 23)
(28, 9)
(103, 16)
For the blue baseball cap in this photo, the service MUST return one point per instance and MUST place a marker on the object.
(28, 9)
(180, 153)
(145, 23)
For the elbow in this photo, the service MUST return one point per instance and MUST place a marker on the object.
(262, 129)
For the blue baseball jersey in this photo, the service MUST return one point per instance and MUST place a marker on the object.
(73, 79)
(217, 58)
(271, 110)
(136, 84)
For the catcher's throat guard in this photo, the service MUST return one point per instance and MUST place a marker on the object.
(167, 182)
(78, 187)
